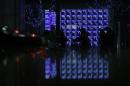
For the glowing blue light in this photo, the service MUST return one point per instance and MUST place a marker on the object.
(50, 19)
(90, 19)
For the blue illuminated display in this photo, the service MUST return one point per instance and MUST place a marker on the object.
(72, 20)
(93, 66)
(50, 69)
(50, 19)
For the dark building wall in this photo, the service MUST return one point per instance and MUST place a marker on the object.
(9, 13)
(1, 12)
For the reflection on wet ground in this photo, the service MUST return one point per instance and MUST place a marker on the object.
(74, 65)
(37, 66)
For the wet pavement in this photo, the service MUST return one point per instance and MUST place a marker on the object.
(69, 65)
